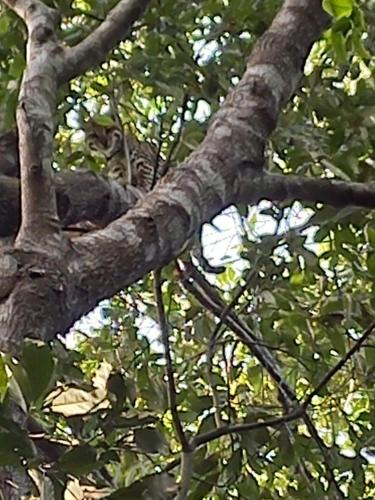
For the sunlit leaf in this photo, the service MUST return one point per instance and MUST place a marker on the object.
(338, 8)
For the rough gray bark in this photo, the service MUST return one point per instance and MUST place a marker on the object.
(81, 196)
(35, 119)
(95, 47)
(52, 281)
(275, 187)
(84, 196)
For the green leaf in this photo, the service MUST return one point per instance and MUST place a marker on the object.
(370, 357)
(131, 492)
(248, 487)
(4, 24)
(297, 279)
(202, 327)
(17, 66)
(3, 380)
(255, 377)
(339, 46)
(19, 387)
(338, 341)
(204, 465)
(104, 120)
(79, 461)
(371, 263)
(338, 8)
(38, 363)
(116, 385)
(204, 487)
(14, 447)
(154, 486)
(149, 440)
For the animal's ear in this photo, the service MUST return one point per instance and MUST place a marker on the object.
(116, 133)
(102, 126)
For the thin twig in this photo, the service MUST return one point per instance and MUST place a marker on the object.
(210, 300)
(158, 159)
(231, 410)
(251, 426)
(323, 449)
(179, 133)
(208, 297)
(187, 449)
(228, 308)
(332, 372)
(169, 365)
(204, 438)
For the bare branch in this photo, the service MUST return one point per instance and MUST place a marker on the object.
(172, 394)
(95, 47)
(187, 465)
(275, 187)
(251, 426)
(81, 196)
(35, 119)
(187, 450)
(82, 184)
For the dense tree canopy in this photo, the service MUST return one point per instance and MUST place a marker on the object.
(253, 383)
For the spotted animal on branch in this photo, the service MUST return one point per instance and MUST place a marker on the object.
(129, 161)
(135, 163)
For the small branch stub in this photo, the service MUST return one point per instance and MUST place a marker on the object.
(8, 273)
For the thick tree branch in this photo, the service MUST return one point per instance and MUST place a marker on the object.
(85, 196)
(46, 63)
(81, 196)
(35, 120)
(275, 187)
(95, 47)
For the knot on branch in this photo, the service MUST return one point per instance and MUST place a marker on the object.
(8, 272)
(42, 21)
(42, 33)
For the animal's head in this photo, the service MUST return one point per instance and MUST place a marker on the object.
(105, 139)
